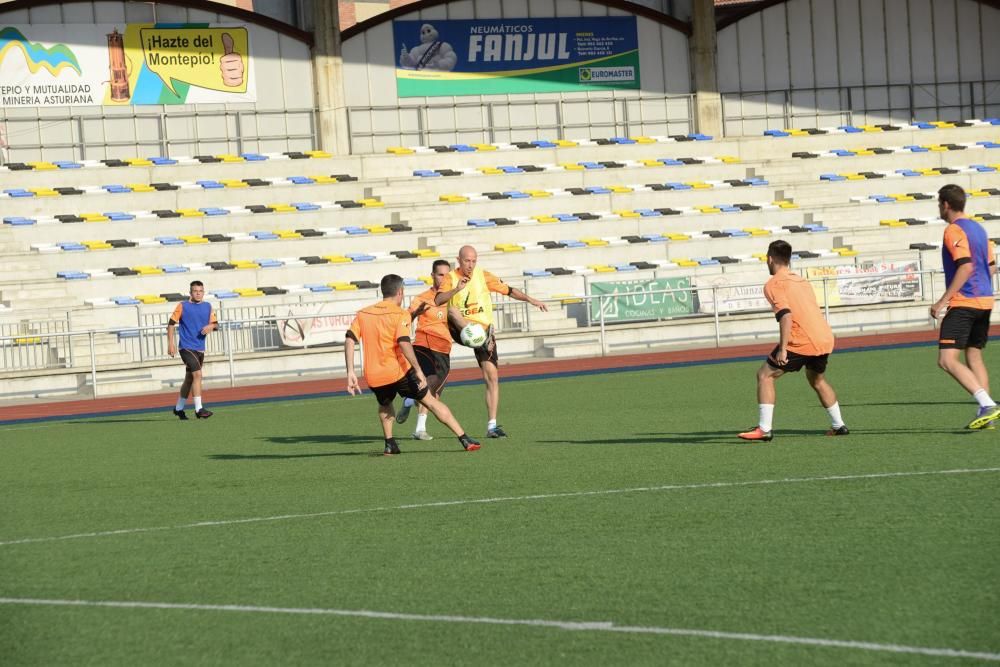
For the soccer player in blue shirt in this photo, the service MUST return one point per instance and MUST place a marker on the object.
(196, 320)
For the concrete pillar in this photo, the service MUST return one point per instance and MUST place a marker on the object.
(708, 102)
(328, 79)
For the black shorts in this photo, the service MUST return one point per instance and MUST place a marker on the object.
(193, 359)
(406, 386)
(816, 364)
(433, 362)
(485, 352)
(964, 327)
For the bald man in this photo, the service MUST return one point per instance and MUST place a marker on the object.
(468, 288)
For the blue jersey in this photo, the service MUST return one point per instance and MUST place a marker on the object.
(191, 318)
(965, 241)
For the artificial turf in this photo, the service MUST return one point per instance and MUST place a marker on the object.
(908, 560)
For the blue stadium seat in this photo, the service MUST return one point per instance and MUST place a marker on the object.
(162, 161)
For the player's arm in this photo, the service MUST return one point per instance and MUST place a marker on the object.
(350, 341)
(957, 245)
(175, 317)
(406, 347)
(521, 296)
(784, 334)
(443, 296)
(494, 284)
(213, 324)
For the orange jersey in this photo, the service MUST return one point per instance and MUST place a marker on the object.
(432, 324)
(789, 292)
(379, 328)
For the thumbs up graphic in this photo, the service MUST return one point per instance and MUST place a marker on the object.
(231, 64)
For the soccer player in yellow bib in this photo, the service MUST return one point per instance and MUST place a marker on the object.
(468, 288)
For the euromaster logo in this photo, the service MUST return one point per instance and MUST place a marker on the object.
(606, 74)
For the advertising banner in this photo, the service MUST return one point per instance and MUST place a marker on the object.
(310, 325)
(869, 282)
(730, 296)
(92, 65)
(643, 306)
(499, 56)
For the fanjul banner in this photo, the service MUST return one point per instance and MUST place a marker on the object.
(644, 305)
(93, 64)
(868, 282)
(314, 324)
(499, 56)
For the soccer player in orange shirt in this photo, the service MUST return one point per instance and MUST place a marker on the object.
(431, 344)
(390, 365)
(969, 265)
(805, 340)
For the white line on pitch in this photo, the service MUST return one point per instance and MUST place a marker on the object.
(576, 626)
(502, 499)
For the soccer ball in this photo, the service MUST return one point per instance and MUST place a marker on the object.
(473, 335)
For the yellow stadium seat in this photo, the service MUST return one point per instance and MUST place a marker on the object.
(229, 157)
(871, 128)
(545, 219)
(978, 193)
(94, 217)
(245, 264)
(674, 236)
(644, 140)
(571, 166)
(627, 213)
(853, 177)
(248, 291)
(899, 197)
(936, 148)
(371, 203)
(138, 162)
(508, 247)
(147, 270)
(453, 199)
(336, 259)
(490, 171)
(567, 299)
(651, 163)
(323, 179)
(27, 340)
(707, 209)
(603, 268)
(378, 229)
(621, 189)
(762, 256)
(426, 252)
(399, 150)
(797, 133)
(44, 192)
(287, 234)
(283, 208)
(698, 185)
(318, 154)
(892, 223)
(43, 166)
(594, 243)
(342, 287)
(150, 298)
(97, 245)
(140, 187)
(193, 239)
(565, 143)
(233, 183)
(191, 213)
(729, 159)
(756, 231)
(942, 124)
(865, 151)
(484, 147)
(684, 262)
(786, 204)
(538, 193)
(845, 252)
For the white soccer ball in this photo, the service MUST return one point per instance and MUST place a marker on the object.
(473, 335)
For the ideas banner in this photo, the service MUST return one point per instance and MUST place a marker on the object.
(501, 56)
(91, 65)
(639, 301)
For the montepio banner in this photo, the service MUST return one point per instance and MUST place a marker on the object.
(501, 56)
(136, 63)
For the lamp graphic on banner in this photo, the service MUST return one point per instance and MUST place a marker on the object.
(116, 63)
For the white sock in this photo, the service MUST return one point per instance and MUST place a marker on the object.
(836, 421)
(408, 403)
(181, 402)
(197, 403)
(766, 416)
(491, 424)
(983, 399)
(422, 422)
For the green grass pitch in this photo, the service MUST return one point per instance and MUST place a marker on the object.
(621, 523)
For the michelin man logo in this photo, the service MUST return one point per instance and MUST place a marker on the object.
(431, 53)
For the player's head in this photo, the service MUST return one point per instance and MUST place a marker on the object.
(779, 254)
(392, 287)
(467, 257)
(197, 290)
(951, 202)
(439, 271)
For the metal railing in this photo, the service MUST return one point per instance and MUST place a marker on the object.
(137, 346)
(848, 105)
(501, 121)
(157, 132)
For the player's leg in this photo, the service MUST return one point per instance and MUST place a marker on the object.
(949, 360)
(444, 415)
(979, 334)
(182, 396)
(386, 415)
(828, 399)
(974, 360)
(433, 387)
(766, 375)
